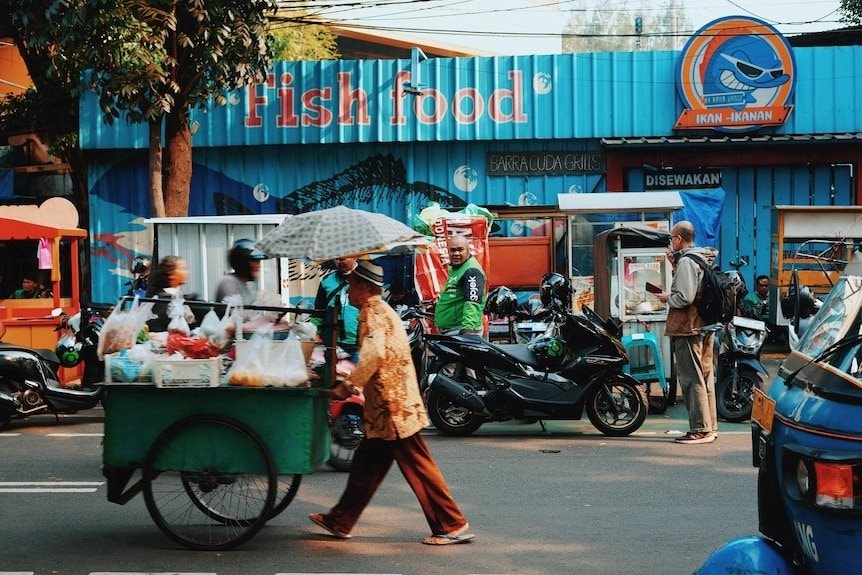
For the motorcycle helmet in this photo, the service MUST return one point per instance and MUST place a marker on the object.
(141, 265)
(246, 249)
(807, 302)
(502, 302)
(555, 288)
(241, 255)
(550, 351)
(68, 351)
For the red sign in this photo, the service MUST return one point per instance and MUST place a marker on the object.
(432, 265)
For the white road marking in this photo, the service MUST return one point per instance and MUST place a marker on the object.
(8, 435)
(75, 434)
(49, 487)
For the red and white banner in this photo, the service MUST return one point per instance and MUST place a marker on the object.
(432, 265)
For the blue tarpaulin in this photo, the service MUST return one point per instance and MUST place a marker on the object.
(7, 181)
(703, 209)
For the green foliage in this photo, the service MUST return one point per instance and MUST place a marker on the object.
(610, 26)
(851, 12)
(295, 39)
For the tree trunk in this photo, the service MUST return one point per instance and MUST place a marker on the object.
(157, 198)
(178, 161)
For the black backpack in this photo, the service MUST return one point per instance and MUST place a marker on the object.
(718, 290)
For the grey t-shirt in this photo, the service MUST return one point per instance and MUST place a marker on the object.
(232, 285)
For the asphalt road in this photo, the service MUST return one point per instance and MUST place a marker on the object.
(567, 500)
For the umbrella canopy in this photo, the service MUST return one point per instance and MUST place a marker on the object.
(337, 232)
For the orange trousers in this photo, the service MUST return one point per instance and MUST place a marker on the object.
(371, 463)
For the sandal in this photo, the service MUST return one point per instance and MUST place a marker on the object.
(448, 539)
(323, 521)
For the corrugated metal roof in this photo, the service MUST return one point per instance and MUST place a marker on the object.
(757, 139)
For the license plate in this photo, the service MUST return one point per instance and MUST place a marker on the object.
(763, 410)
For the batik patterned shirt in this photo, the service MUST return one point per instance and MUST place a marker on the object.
(385, 374)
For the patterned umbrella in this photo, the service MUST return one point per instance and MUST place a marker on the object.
(337, 232)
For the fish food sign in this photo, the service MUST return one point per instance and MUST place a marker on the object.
(736, 74)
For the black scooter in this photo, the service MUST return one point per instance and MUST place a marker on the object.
(30, 383)
(576, 365)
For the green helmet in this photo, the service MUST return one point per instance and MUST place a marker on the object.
(550, 351)
(68, 351)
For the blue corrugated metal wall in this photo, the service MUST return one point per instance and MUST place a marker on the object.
(614, 94)
(750, 194)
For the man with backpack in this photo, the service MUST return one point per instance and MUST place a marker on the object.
(692, 348)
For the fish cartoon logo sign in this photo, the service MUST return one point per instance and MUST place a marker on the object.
(736, 74)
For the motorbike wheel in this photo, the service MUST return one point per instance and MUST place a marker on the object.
(619, 413)
(347, 432)
(735, 406)
(450, 419)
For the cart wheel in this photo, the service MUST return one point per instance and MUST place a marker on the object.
(288, 485)
(212, 503)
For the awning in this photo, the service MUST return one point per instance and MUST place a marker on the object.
(739, 139)
(602, 203)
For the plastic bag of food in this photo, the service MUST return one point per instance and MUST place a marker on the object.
(268, 363)
(122, 327)
(177, 313)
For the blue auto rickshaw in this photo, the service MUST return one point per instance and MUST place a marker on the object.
(807, 444)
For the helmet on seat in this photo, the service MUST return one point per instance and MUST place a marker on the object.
(549, 350)
(555, 288)
(68, 351)
(502, 302)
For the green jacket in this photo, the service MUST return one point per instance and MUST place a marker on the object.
(462, 302)
(326, 298)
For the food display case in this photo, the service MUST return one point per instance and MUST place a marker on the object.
(642, 273)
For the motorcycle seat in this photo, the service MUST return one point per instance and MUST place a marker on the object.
(520, 352)
(46, 354)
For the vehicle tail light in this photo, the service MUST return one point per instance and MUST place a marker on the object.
(838, 485)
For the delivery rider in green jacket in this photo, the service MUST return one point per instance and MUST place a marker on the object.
(460, 307)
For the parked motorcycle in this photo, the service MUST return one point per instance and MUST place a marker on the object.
(414, 319)
(29, 378)
(739, 369)
(576, 366)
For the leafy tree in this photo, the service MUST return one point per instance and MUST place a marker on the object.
(851, 12)
(296, 37)
(150, 60)
(610, 26)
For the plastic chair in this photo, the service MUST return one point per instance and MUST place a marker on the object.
(648, 371)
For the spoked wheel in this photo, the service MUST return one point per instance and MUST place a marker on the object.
(285, 491)
(347, 432)
(734, 405)
(617, 408)
(197, 487)
(451, 419)
(286, 488)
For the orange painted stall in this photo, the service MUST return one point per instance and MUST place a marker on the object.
(29, 322)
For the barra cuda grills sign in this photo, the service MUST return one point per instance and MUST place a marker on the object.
(736, 74)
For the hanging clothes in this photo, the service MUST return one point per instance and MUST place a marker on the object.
(45, 254)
